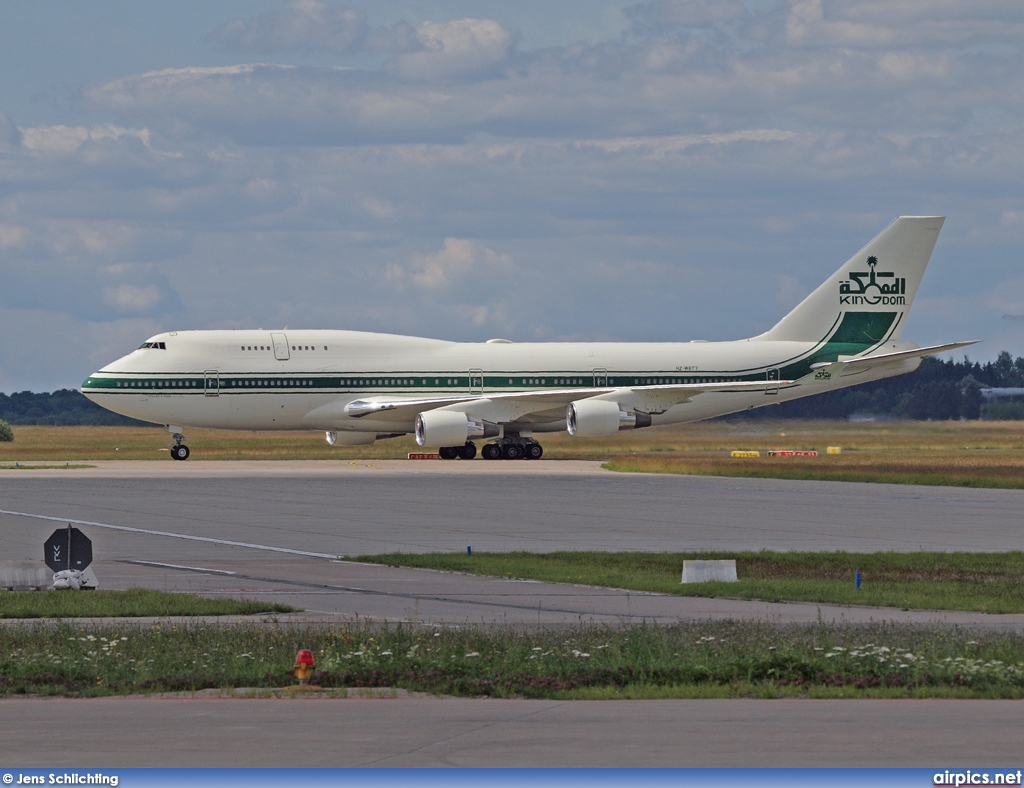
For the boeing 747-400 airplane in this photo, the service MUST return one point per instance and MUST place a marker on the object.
(359, 387)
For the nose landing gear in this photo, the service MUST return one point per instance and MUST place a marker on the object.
(179, 451)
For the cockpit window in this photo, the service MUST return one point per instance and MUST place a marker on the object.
(153, 346)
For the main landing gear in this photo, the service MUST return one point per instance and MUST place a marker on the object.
(510, 449)
(466, 452)
(505, 449)
(179, 451)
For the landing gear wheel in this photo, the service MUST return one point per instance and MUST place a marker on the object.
(449, 452)
(491, 451)
(511, 451)
(533, 451)
(467, 452)
(180, 452)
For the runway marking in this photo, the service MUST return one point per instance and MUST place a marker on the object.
(202, 569)
(474, 599)
(172, 535)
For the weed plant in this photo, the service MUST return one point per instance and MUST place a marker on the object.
(721, 659)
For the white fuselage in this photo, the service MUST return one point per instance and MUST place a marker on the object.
(295, 379)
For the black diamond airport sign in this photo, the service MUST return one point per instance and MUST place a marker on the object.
(67, 548)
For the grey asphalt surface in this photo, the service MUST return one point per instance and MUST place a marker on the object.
(341, 508)
(429, 732)
(326, 509)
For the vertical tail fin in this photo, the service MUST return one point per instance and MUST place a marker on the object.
(867, 300)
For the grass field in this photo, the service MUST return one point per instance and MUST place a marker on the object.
(691, 660)
(984, 582)
(971, 454)
(135, 602)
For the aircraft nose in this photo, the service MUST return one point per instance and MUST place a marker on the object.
(92, 383)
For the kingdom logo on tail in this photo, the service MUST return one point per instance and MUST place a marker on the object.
(358, 387)
(872, 291)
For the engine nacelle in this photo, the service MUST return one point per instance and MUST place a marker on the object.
(350, 438)
(592, 418)
(450, 428)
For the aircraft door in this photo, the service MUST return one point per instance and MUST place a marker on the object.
(600, 378)
(773, 376)
(280, 347)
(476, 381)
(212, 378)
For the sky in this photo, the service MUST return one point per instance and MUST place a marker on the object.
(468, 169)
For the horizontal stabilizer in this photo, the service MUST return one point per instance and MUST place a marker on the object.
(827, 371)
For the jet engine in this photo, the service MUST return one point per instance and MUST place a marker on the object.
(591, 418)
(451, 428)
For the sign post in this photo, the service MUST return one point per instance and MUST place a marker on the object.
(68, 553)
(67, 549)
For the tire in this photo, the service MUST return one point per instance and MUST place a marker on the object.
(511, 451)
(491, 451)
(467, 452)
(448, 452)
(180, 452)
(533, 451)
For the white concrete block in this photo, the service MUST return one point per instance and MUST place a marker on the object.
(709, 571)
(23, 575)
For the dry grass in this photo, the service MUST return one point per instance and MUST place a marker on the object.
(970, 454)
(1004, 469)
(989, 454)
(71, 444)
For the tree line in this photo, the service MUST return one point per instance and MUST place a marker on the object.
(937, 390)
(66, 407)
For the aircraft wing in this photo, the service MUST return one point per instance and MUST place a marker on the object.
(506, 407)
(826, 370)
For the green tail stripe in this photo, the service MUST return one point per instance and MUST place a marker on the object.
(863, 328)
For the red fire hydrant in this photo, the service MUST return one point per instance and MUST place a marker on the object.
(303, 665)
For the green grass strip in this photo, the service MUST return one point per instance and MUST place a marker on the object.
(133, 603)
(693, 659)
(981, 582)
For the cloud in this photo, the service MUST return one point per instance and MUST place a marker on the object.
(11, 236)
(802, 65)
(86, 292)
(688, 176)
(461, 49)
(688, 13)
(304, 26)
(132, 299)
(63, 139)
(300, 26)
(9, 134)
(457, 258)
